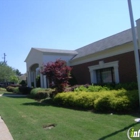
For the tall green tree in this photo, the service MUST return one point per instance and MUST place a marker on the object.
(18, 73)
(6, 72)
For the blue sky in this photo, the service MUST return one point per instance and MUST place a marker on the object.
(58, 24)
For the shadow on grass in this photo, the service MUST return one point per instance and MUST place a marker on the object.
(116, 132)
(50, 102)
(47, 102)
(12, 95)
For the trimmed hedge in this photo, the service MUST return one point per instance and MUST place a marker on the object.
(114, 100)
(19, 90)
(10, 89)
(95, 88)
(40, 93)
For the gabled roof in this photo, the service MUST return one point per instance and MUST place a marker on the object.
(101, 45)
(106, 43)
(46, 50)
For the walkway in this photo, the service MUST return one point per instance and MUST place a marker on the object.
(4, 132)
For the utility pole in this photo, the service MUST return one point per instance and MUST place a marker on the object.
(136, 52)
(4, 58)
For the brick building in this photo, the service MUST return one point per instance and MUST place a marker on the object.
(110, 60)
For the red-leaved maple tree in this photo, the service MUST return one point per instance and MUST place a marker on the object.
(58, 74)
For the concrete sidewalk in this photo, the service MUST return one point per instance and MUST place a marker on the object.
(4, 131)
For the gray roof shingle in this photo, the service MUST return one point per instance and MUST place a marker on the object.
(106, 43)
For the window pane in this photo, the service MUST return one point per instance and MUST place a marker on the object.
(106, 76)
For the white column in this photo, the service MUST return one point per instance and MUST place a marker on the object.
(45, 81)
(116, 74)
(29, 78)
(41, 80)
(34, 74)
(93, 76)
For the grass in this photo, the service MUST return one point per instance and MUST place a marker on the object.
(25, 119)
(2, 90)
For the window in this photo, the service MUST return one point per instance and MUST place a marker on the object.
(105, 75)
(104, 72)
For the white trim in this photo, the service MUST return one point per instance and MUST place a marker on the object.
(128, 47)
(101, 65)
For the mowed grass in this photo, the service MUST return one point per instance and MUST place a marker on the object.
(25, 119)
(2, 90)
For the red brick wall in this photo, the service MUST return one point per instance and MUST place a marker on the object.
(127, 69)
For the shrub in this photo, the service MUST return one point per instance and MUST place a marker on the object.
(10, 88)
(14, 85)
(25, 90)
(127, 86)
(76, 99)
(121, 100)
(104, 101)
(81, 88)
(40, 93)
(16, 90)
(23, 83)
(91, 88)
(58, 74)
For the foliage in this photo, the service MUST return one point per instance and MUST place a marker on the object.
(127, 86)
(18, 73)
(72, 80)
(91, 88)
(23, 83)
(16, 90)
(5, 72)
(76, 99)
(40, 93)
(14, 78)
(38, 81)
(25, 90)
(14, 85)
(10, 89)
(114, 100)
(58, 74)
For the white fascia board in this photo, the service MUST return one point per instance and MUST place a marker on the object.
(104, 54)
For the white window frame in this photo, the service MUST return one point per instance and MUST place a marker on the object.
(102, 65)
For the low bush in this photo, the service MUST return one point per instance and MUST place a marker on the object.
(40, 93)
(104, 101)
(10, 89)
(25, 90)
(76, 99)
(91, 88)
(127, 86)
(16, 90)
(14, 85)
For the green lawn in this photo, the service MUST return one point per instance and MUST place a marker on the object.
(25, 119)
